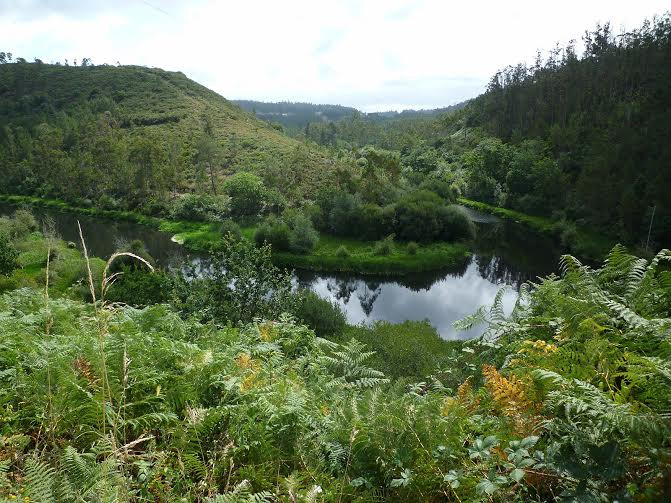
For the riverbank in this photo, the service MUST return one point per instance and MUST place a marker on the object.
(584, 242)
(326, 257)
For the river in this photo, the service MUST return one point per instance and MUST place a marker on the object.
(503, 254)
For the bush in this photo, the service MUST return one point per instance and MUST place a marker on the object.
(302, 236)
(342, 252)
(385, 246)
(229, 228)
(418, 216)
(343, 213)
(448, 192)
(247, 194)
(200, 207)
(261, 289)
(135, 247)
(412, 248)
(371, 222)
(8, 257)
(411, 349)
(22, 223)
(141, 287)
(323, 316)
(456, 224)
(273, 231)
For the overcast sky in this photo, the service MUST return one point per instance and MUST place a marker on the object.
(374, 55)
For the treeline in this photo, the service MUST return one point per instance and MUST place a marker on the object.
(293, 115)
(595, 128)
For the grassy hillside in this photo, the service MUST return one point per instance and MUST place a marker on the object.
(172, 111)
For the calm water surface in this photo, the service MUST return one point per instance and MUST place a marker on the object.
(503, 254)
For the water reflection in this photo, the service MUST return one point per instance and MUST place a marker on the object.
(503, 253)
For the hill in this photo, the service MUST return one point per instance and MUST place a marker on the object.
(79, 132)
(295, 115)
(314, 121)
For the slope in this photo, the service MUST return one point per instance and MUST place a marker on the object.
(127, 102)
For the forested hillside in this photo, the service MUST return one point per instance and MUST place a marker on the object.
(294, 116)
(581, 138)
(594, 128)
(132, 135)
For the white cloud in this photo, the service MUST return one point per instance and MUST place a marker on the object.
(372, 54)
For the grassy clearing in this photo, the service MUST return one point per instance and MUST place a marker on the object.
(360, 257)
(584, 242)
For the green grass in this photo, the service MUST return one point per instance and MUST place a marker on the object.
(586, 242)
(67, 267)
(203, 236)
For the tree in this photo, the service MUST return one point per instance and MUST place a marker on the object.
(8, 256)
(243, 285)
(247, 194)
(207, 156)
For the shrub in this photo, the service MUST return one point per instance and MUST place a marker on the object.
(261, 289)
(141, 287)
(371, 222)
(135, 247)
(342, 252)
(8, 257)
(200, 207)
(229, 228)
(384, 246)
(343, 213)
(412, 349)
(448, 192)
(456, 224)
(274, 232)
(247, 194)
(323, 316)
(302, 236)
(23, 223)
(412, 248)
(418, 216)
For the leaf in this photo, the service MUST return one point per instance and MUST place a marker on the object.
(517, 474)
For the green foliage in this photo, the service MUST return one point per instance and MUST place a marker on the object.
(8, 256)
(566, 397)
(229, 228)
(321, 315)
(200, 207)
(422, 216)
(406, 350)
(243, 284)
(302, 236)
(412, 248)
(141, 287)
(342, 252)
(247, 193)
(275, 232)
(385, 246)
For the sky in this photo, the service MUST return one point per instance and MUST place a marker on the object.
(373, 55)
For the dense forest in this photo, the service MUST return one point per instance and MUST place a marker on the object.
(585, 138)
